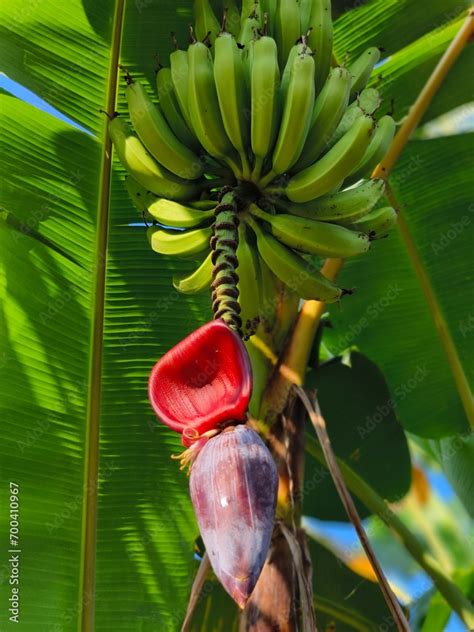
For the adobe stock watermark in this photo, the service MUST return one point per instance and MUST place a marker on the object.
(454, 230)
(14, 552)
(466, 326)
(400, 392)
(371, 314)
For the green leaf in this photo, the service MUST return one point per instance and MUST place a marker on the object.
(439, 612)
(396, 314)
(343, 598)
(403, 76)
(146, 526)
(215, 610)
(456, 457)
(359, 412)
(391, 24)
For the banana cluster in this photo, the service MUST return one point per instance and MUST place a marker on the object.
(256, 106)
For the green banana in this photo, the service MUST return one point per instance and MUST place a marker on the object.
(287, 28)
(312, 237)
(176, 243)
(329, 108)
(293, 270)
(204, 106)
(298, 48)
(171, 110)
(247, 59)
(377, 149)
(203, 205)
(179, 74)
(265, 83)
(269, 290)
(232, 94)
(141, 198)
(362, 68)
(377, 223)
(232, 17)
(199, 279)
(343, 207)
(139, 164)
(320, 39)
(306, 7)
(248, 7)
(367, 102)
(206, 23)
(156, 135)
(248, 271)
(296, 118)
(333, 167)
(269, 7)
(174, 214)
(248, 30)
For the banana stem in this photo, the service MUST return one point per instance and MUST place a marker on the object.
(245, 165)
(380, 507)
(257, 169)
(224, 243)
(294, 360)
(236, 169)
(271, 175)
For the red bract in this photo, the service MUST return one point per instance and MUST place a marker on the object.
(233, 488)
(203, 382)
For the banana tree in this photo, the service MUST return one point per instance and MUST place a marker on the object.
(100, 531)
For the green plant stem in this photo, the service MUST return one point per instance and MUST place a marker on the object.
(377, 505)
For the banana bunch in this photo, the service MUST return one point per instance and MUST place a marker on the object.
(257, 105)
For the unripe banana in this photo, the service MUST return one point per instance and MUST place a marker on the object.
(178, 215)
(328, 111)
(298, 48)
(203, 205)
(171, 110)
(333, 167)
(248, 7)
(367, 102)
(269, 7)
(287, 28)
(315, 238)
(232, 17)
(269, 290)
(343, 207)
(206, 23)
(198, 281)
(293, 270)
(179, 243)
(204, 106)
(306, 7)
(377, 223)
(265, 83)
(249, 28)
(141, 166)
(155, 134)
(362, 68)
(320, 40)
(249, 289)
(179, 75)
(377, 149)
(247, 59)
(296, 118)
(233, 96)
(141, 198)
